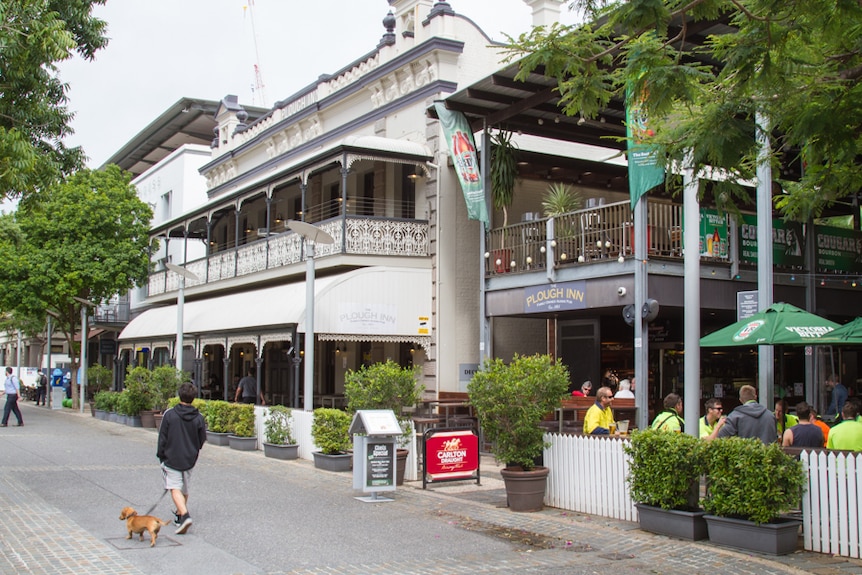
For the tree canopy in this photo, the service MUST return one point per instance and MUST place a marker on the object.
(35, 35)
(85, 237)
(795, 63)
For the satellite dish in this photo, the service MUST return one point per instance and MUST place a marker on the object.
(629, 314)
(650, 310)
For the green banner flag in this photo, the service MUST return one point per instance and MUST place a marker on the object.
(645, 172)
(460, 141)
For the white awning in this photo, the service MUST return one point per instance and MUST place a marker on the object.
(373, 301)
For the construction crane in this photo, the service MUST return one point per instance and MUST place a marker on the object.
(258, 90)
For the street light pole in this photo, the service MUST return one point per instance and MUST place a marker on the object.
(84, 341)
(181, 300)
(312, 235)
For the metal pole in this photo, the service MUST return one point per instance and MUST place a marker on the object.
(181, 301)
(765, 353)
(641, 333)
(691, 265)
(84, 338)
(48, 398)
(309, 325)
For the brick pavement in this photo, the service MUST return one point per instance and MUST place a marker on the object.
(41, 533)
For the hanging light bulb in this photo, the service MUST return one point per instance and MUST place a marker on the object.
(529, 260)
(581, 259)
(621, 259)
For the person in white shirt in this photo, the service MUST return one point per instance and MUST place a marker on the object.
(12, 387)
(625, 391)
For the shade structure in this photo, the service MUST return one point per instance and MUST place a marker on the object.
(850, 332)
(779, 324)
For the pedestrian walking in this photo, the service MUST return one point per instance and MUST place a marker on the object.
(181, 437)
(12, 388)
(247, 390)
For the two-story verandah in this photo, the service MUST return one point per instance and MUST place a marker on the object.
(373, 290)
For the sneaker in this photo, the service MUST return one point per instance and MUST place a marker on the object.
(21, 424)
(184, 526)
(4, 425)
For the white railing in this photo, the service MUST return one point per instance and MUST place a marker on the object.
(588, 475)
(302, 434)
(830, 505)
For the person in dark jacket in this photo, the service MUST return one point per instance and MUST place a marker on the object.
(181, 437)
(750, 419)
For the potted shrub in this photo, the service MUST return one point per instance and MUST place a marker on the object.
(330, 433)
(242, 437)
(386, 386)
(104, 402)
(504, 174)
(110, 400)
(279, 442)
(664, 475)
(510, 401)
(750, 486)
(217, 416)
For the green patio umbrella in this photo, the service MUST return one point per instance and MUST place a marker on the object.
(850, 332)
(780, 323)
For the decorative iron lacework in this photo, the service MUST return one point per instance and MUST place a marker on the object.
(387, 237)
(421, 341)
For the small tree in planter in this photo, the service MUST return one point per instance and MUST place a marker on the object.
(330, 431)
(664, 475)
(139, 396)
(99, 378)
(750, 486)
(279, 442)
(386, 386)
(510, 401)
(165, 381)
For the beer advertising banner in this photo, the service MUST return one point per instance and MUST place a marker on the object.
(786, 242)
(459, 137)
(713, 235)
(838, 250)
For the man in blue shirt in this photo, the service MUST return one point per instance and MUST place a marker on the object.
(839, 396)
(12, 387)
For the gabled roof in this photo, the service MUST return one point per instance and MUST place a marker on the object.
(188, 121)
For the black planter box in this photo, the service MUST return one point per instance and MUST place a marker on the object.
(688, 525)
(778, 538)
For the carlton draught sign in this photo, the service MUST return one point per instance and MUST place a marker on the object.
(451, 455)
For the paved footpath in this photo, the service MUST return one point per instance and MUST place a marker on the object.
(65, 476)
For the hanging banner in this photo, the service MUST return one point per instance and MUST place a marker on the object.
(460, 141)
(645, 172)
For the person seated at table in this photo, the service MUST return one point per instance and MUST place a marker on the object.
(599, 416)
(669, 419)
(586, 389)
(711, 423)
(846, 435)
(804, 433)
(814, 418)
(625, 391)
(783, 420)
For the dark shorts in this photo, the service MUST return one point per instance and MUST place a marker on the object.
(248, 399)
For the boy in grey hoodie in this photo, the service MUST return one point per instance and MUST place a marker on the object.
(750, 419)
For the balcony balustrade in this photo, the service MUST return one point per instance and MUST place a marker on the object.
(354, 235)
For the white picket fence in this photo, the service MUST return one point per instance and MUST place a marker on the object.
(302, 434)
(587, 475)
(830, 506)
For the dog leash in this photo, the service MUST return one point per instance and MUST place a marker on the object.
(150, 510)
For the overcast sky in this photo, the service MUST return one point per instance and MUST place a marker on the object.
(164, 50)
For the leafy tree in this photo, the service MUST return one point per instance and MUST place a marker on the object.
(797, 63)
(86, 237)
(35, 35)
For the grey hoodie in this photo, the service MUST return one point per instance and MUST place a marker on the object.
(750, 420)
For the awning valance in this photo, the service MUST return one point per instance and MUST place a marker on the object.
(373, 301)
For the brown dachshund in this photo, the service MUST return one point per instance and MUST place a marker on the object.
(139, 523)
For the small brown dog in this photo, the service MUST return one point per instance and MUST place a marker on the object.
(139, 523)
